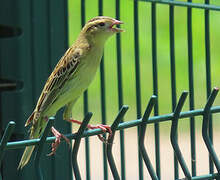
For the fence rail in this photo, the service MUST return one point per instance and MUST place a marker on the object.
(118, 124)
(142, 123)
(185, 4)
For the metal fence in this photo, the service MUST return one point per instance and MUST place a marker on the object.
(142, 121)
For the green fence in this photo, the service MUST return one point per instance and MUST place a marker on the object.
(35, 31)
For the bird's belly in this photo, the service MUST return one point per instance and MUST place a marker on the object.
(79, 83)
(82, 78)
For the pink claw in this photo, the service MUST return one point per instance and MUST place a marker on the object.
(104, 128)
(58, 136)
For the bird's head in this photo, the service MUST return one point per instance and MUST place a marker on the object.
(100, 28)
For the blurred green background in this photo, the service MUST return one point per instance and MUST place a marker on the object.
(163, 54)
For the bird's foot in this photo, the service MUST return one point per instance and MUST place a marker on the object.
(57, 141)
(104, 128)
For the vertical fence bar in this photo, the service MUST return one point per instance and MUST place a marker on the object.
(173, 134)
(208, 76)
(6, 136)
(207, 139)
(120, 92)
(155, 85)
(142, 132)
(114, 126)
(75, 149)
(173, 75)
(85, 102)
(191, 89)
(39, 149)
(103, 100)
(49, 36)
(32, 47)
(138, 85)
(83, 20)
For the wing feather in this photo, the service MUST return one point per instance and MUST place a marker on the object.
(64, 69)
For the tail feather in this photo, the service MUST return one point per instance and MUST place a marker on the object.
(30, 119)
(28, 150)
(26, 156)
(36, 131)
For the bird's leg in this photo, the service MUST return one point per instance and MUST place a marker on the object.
(58, 136)
(104, 128)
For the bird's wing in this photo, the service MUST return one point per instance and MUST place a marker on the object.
(66, 67)
(63, 71)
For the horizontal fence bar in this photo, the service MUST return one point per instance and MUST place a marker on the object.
(118, 126)
(206, 177)
(124, 125)
(185, 4)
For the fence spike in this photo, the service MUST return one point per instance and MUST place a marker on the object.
(206, 138)
(75, 149)
(39, 149)
(114, 126)
(141, 138)
(173, 134)
(6, 136)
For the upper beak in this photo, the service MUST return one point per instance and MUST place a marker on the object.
(117, 22)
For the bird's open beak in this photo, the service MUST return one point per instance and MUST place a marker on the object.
(116, 29)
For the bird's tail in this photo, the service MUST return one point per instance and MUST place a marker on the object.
(26, 156)
(36, 132)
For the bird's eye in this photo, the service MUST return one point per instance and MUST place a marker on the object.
(101, 24)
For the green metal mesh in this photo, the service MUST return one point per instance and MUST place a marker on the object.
(142, 120)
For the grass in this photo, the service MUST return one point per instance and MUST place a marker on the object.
(163, 54)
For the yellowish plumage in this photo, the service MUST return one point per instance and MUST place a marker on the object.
(71, 76)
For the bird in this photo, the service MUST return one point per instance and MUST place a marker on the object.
(70, 78)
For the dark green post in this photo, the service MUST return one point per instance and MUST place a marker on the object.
(29, 58)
